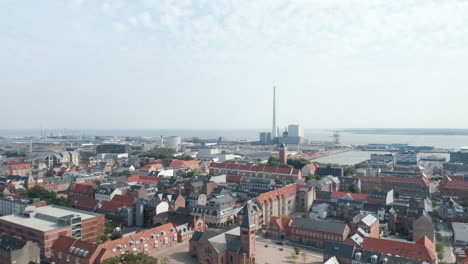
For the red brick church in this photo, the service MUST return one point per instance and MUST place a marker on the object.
(234, 246)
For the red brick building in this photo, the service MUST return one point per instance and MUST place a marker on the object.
(150, 241)
(263, 172)
(20, 169)
(313, 232)
(455, 187)
(44, 225)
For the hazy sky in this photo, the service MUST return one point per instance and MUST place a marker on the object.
(212, 64)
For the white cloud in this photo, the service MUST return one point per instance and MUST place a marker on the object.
(76, 4)
(145, 19)
(119, 27)
(132, 20)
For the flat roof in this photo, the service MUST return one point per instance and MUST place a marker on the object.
(46, 217)
(32, 223)
(59, 211)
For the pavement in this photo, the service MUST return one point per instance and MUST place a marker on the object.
(267, 253)
(446, 233)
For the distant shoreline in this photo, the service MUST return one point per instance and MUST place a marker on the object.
(415, 132)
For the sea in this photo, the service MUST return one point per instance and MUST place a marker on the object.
(356, 156)
(347, 138)
(450, 142)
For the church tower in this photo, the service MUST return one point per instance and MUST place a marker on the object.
(248, 235)
(283, 154)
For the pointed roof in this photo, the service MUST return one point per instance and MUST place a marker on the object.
(248, 215)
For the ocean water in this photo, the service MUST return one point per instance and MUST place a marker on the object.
(438, 141)
(357, 156)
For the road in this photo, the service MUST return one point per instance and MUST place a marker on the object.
(446, 233)
(314, 252)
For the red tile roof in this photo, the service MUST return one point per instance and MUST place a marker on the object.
(423, 249)
(450, 183)
(282, 222)
(187, 163)
(355, 196)
(232, 166)
(111, 206)
(63, 244)
(84, 188)
(146, 234)
(156, 166)
(126, 199)
(20, 166)
(85, 202)
(286, 191)
(234, 179)
(146, 179)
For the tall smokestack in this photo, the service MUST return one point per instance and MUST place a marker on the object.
(273, 132)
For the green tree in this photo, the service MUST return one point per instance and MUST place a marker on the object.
(139, 258)
(349, 171)
(296, 250)
(436, 213)
(193, 172)
(278, 181)
(159, 153)
(298, 163)
(318, 177)
(354, 188)
(49, 196)
(439, 237)
(440, 250)
(377, 189)
(305, 215)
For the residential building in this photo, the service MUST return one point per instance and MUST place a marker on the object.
(406, 158)
(418, 187)
(328, 183)
(455, 187)
(229, 169)
(422, 250)
(44, 225)
(11, 204)
(328, 170)
(16, 251)
(309, 169)
(20, 169)
(217, 212)
(256, 186)
(313, 232)
(285, 201)
(423, 226)
(149, 241)
(108, 191)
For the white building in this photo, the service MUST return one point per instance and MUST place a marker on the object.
(174, 142)
(295, 131)
(460, 233)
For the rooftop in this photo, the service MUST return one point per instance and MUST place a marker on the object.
(46, 217)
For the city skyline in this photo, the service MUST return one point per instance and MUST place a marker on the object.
(211, 64)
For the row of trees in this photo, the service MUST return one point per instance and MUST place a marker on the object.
(139, 258)
(49, 196)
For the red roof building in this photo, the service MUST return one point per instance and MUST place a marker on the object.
(185, 163)
(20, 169)
(423, 249)
(285, 201)
(347, 195)
(455, 187)
(264, 172)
